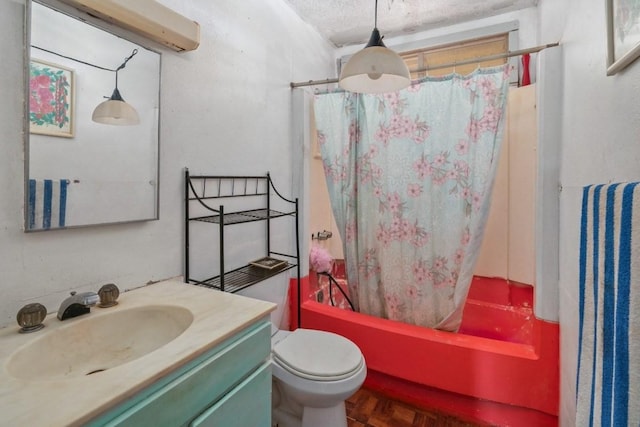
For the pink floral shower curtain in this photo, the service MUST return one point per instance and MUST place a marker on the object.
(410, 177)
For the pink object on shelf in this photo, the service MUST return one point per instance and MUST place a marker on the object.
(320, 259)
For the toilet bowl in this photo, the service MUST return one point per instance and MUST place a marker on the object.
(313, 373)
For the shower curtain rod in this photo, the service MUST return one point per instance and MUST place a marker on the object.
(451, 64)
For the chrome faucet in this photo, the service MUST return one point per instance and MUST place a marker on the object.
(77, 304)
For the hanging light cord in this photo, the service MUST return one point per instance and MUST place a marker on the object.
(124, 64)
(375, 19)
(133, 53)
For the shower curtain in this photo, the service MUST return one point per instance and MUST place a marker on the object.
(410, 175)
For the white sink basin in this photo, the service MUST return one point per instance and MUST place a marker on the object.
(98, 341)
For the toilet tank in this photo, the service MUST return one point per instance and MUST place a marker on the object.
(275, 290)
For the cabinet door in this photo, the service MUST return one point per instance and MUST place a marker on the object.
(195, 389)
(247, 405)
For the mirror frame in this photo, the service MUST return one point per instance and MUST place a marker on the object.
(116, 31)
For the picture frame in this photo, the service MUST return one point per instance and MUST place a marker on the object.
(51, 95)
(623, 34)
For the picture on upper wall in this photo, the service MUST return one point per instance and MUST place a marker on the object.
(50, 99)
(623, 33)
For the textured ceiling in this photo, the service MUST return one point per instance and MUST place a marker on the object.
(345, 22)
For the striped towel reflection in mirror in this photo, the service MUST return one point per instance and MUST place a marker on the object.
(47, 203)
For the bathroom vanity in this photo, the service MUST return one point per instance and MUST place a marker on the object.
(212, 368)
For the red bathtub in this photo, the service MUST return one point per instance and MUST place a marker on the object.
(501, 368)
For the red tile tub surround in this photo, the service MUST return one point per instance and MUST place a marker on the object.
(500, 310)
(506, 372)
(501, 291)
(495, 308)
(322, 291)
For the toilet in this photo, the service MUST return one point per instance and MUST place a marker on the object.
(313, 373)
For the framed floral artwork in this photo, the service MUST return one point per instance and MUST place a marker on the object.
(51, 89)
(623, 33)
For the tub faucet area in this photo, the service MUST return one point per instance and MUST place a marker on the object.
(77, 304)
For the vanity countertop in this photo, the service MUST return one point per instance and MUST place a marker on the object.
(73, 401)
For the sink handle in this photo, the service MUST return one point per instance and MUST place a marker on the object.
(108, 293)
(30, 317)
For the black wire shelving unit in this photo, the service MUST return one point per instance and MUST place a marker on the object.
(203, 191)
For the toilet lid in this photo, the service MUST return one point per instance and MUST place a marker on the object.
(318, 355)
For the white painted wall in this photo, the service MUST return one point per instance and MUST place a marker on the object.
(321, 214)
(508, 245)
(600, 127)
(226, 109)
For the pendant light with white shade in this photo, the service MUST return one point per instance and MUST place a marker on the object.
(376, 68)
(115, 111)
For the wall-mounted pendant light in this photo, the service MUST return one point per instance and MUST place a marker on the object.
(115, 111)
(376, 68)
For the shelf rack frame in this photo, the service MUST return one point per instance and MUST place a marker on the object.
(205, 190)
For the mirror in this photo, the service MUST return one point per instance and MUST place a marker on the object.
(80, 172)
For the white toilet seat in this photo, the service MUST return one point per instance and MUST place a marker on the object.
(317, 355)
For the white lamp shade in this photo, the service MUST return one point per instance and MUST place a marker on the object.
(375, 69)
(115, 112)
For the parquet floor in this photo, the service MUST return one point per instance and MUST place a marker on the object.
(367, 408)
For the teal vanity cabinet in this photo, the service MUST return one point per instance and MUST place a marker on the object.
(229, 385)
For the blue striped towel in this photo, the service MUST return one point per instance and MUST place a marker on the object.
(608, 383)
(47, 203)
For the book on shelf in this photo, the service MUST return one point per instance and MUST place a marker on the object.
(268, 263)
